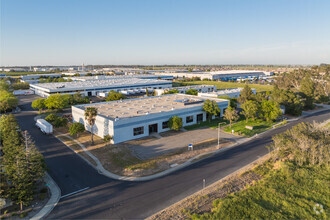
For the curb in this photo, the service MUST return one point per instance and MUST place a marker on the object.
(52, 202)
(100, 169)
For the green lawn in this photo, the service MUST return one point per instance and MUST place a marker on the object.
(226, 85)
(211, 124)
(259, 126)
(289, 192)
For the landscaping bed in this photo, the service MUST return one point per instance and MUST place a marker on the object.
(40, 199)
(258, 125)
(210, 124)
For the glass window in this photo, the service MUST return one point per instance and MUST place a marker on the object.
(138, 131)
(189, 119)
(165, 124)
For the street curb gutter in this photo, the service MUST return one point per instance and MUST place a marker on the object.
(52, 202)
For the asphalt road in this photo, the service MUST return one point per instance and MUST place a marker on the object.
(112, 199)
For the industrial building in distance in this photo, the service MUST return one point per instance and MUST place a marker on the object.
(135, 118)
(231, 93)
(218, 75)
(138, 76)
(183, 89)
(94, 87)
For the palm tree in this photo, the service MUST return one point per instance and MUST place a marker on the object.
(90, 116)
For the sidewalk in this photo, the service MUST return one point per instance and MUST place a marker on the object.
(52, 202)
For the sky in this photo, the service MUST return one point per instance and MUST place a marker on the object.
(158, 32)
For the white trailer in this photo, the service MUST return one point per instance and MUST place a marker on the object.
(44, 126)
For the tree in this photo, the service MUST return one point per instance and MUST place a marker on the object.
(68, 99)
(79, 99)
(172, 91)
(76, 128)
(307, 89)
(175, 123)
(191, 92)
(231, 115)
(22, 164)
(113, 96)
(90, 116)
(60, 122)
(38, 104)
(250, 109)
(211, 108)
(292, 102)
(246, 94)
(270, 110)
(51, 118)
(56, 101)
(4, 85)
(7, 101)
(305, 143)
(20, 85)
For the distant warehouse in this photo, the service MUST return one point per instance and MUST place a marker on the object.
(231, 93)
(219, 75)
(135, 118)
(138, 76)
(94, 87)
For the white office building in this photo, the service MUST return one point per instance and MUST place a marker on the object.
(232, 93)
(135, 118)
(94, 87)
(183, 89)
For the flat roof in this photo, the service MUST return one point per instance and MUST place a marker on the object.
(100, 77)
(217, 72)
(98, 84)
(190, 87)
(128, 108)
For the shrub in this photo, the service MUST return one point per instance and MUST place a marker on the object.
(76, 128)
(51, 118)
(107, 138)
(60, 122)
(175, 123)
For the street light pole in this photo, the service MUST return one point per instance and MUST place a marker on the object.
(219, 126)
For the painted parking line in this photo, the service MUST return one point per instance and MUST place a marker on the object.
(75, 192)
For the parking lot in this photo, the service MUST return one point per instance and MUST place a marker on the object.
(175, 141)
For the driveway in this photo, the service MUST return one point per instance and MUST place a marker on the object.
(24, 101)
(181, 139)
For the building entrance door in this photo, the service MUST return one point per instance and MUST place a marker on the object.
(153, 128)
(199, 118)
(89, 93)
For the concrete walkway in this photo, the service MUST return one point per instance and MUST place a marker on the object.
(52, 202)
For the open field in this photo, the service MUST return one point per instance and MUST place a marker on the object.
(227, 85)
(288, 191)
(262, 190)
